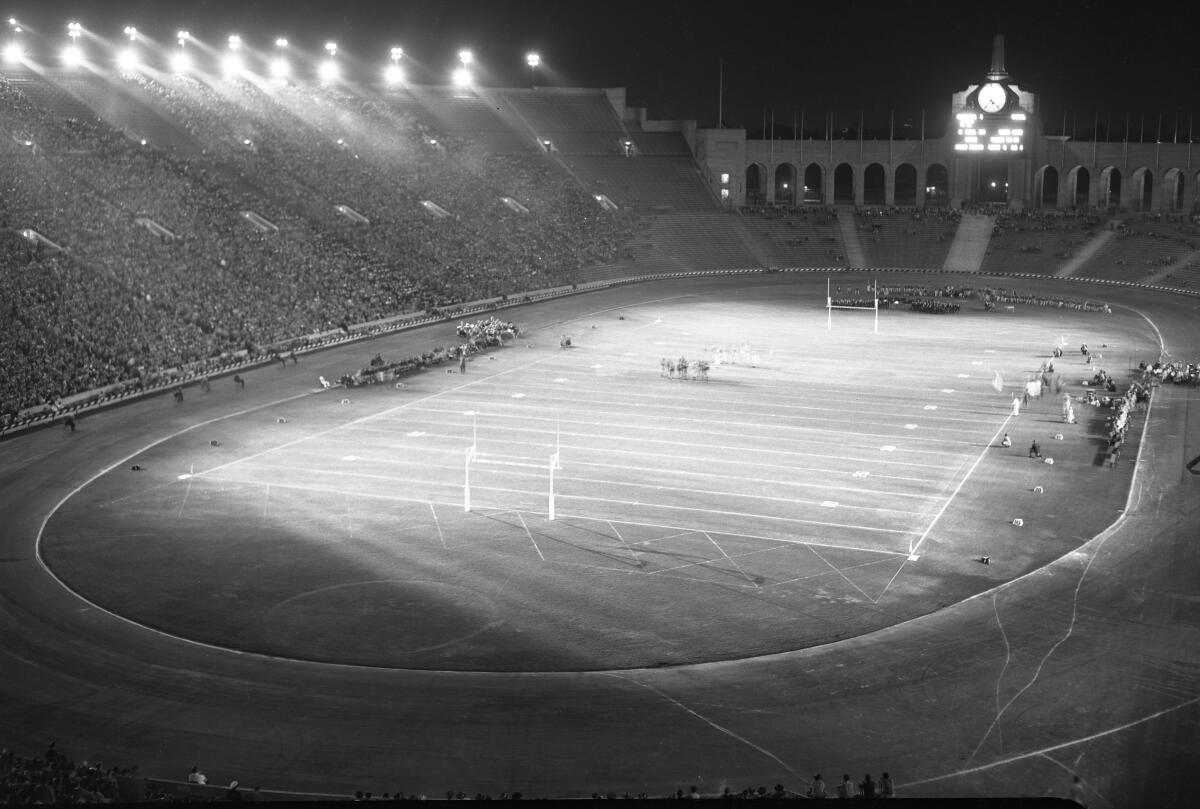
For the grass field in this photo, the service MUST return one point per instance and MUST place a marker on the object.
(822, 483)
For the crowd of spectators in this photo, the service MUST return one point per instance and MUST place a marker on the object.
(54, 778)
(125, 299)
(1175, 372)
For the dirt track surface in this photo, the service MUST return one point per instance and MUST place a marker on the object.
(1083, 665)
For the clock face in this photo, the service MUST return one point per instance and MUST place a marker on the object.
(992, 97)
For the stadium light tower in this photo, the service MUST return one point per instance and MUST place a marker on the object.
(231, 64)
(462, 75)
(72, 56)
(14, 51)
(328, 71)
(280, 67)
(534, 60)
(393, 73)
(181, 62)
(127, 59)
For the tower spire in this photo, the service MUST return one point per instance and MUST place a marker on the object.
(997, 73)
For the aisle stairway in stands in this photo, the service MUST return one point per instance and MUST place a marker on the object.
(970, 243)
(854, 255)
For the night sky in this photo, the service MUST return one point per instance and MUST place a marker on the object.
(1082, 58)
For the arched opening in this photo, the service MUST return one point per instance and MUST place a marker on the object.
(937, 185)
(1141, 190)
(1172, 190)
(1046, 187)
(756, 191)
(1079, 186)
(874, 185)
(906, 184)
(785, 184)
(843, 185)
(1110, 188)
(814, 184)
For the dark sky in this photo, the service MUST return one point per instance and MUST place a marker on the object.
(838, 55)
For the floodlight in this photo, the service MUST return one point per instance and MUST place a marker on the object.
(328, 71)
(72, 56)
(74, 30)
(533, 59)
(397, 53)
(235, 42)
(280, 68)
(466, 57)
(182, 37)
(231, 64)
(127, 59)
(13, 52)
(393, 74)
(131, 32)
(281, 43)
(181, 62)
(331, 49)
(461, 77)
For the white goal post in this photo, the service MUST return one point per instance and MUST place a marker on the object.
(473, 457)
(829, 306)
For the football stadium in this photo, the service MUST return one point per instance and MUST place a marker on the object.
(364, 438)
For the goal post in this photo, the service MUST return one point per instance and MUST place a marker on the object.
(830, 306)
(550, 466)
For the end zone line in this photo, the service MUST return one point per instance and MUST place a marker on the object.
(958, 488)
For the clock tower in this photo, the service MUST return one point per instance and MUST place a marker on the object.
(993, 126)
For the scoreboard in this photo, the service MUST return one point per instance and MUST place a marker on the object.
(991, 119)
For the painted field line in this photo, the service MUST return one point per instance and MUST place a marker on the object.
(512, 409)
(843, 575)
(579, 449)
(827, 572)
(632, 552)
(377, 415)
(438, 523)
(563, 479)
(529, 534)
(561, 397)
(958, 488)
(871, 449)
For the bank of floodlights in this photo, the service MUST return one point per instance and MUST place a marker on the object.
(393, 73)
(127, 58)
(72, 55)
(14, 51)
(181, 60)
(231, 62)
(280, 67)
(328, 71)
(534, 60)
(462, 74)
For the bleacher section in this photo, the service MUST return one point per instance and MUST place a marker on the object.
(88, 96)
(442, 109)
(1142, 249)
(659, 143)
(1037, 242)
(908, 238)
(646, 184)
(799, 238)
(575, 122)
(684, 242)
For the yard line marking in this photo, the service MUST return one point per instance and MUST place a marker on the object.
(186, 492)
(840, 573)
(566, 496)
(912, 551)
(730, 558)
(529, 534)
(613, 528)
(371, 416)
(438, 524)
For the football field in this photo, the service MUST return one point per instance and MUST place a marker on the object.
(581, 508)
